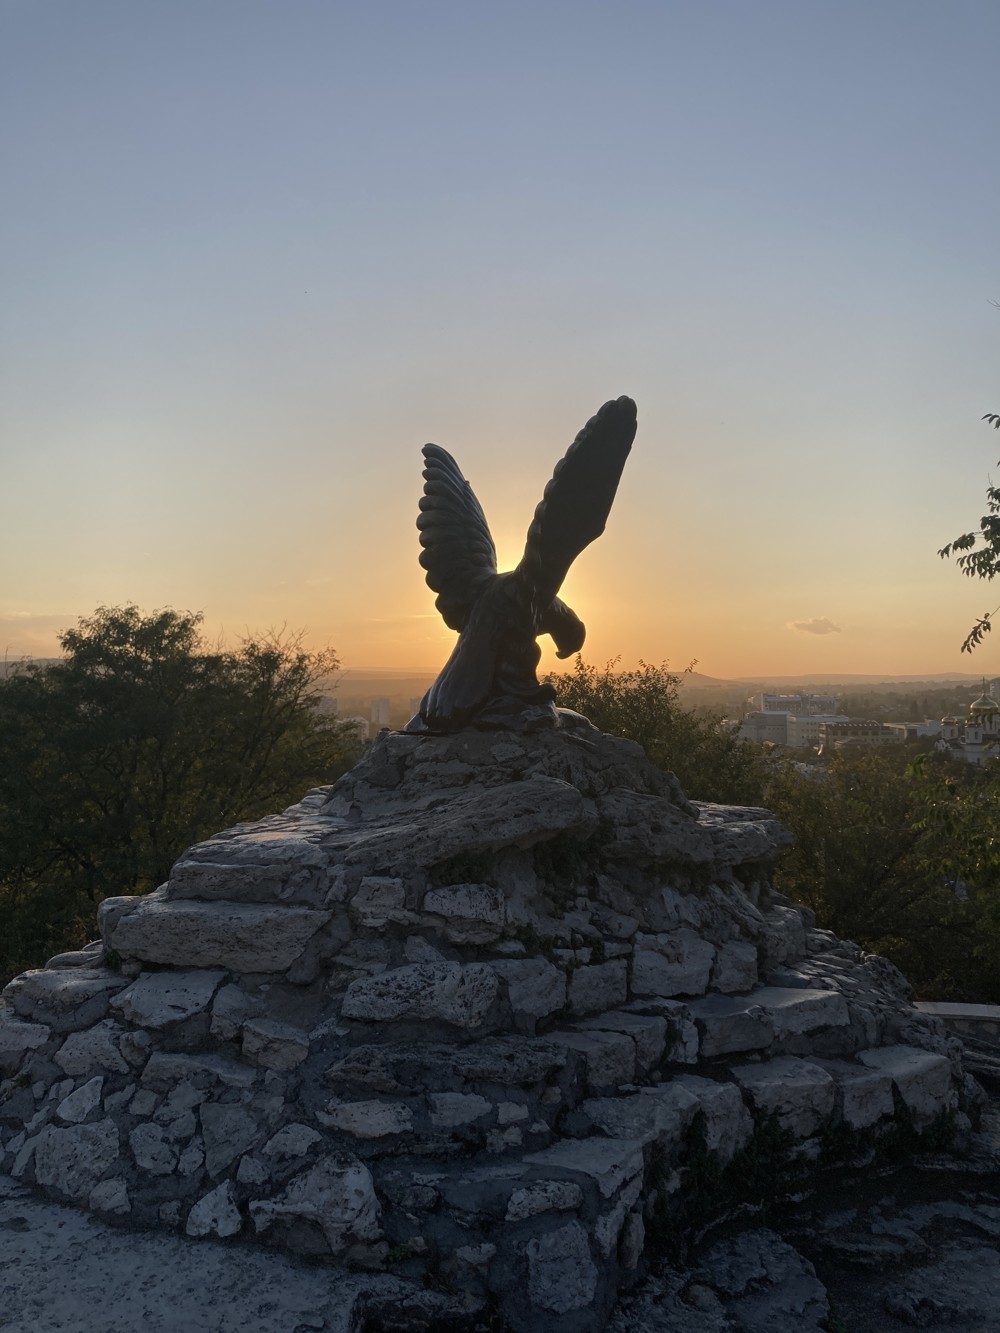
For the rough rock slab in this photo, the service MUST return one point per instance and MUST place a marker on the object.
(728, 1025)
(654, 1115)
(441, 992)
(797, 1010)
(17, 1038)
(242, 937)
(801, 1094)
(922, 1078)
(773, 1289)
(470, 823)
(158, 999)
(608, 1162)
(337, 1194)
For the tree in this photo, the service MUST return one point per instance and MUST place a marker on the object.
(981, 552)
(712, 763)
(139, 742)
(894, 852)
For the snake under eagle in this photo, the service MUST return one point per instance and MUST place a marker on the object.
(490, 678)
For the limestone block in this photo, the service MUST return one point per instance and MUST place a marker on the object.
(562, 1275)
(742, 835)
(91, 1050)
(75, 1108)
(215, 1213)
(543, 1196)
(608, 1227)
(795, 1010)
(469, 823)
(274, 1045)
(470, 913)
(252, 1171)
(801, 1094)
(192, 1159)
(228, 1131)
(448, 1110)
(648, 828)
(17, 1038)
(136, 1046)
(73, 1160)
(231, 1008)
(655, 1115)
(379, 901)
(439, 992)
(152, 1150)
(367, 1119)
(243, 937)
(728, 1122)
(158, 999)
(735, 967)
(922, 1079)
(784, 935)
(89, 956)
(676, 963)
(418, 950)
(648, 1031)
(68, 1000)
(535, 989)
(609, 1057)
(727, 1026)
(272, 858)
(865, 1094)
(592, 989)
(293, 1140)
(609, 1163)
(144, 1103)
(164, 1070)
(337, 1194)
(110, 1196)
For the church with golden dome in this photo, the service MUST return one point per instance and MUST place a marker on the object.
(976, 737)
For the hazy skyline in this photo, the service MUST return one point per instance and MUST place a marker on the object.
(255, 255)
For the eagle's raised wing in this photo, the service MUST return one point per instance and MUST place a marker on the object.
(578, 499)
(458, 555)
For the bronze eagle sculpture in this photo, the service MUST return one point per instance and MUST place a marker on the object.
(490, 679)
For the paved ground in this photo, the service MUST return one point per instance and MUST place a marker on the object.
(914, 1249)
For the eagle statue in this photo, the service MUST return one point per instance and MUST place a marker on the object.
(490, 679)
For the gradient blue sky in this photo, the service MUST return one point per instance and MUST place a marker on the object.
(253, 255)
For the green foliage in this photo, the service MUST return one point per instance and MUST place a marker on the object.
(712, 763)
(898, 853)
(980, 558)
(140, 741)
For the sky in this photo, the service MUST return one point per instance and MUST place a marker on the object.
(254, 255)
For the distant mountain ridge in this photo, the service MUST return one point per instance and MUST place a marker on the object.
(696, 680)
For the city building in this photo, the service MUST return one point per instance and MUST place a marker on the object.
(855, 731)
(380, 713)
(976, 737)
(785, 728)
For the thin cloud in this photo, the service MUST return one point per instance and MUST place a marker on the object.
(818, 625)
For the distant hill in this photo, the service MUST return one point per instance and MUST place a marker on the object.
(695, 680)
